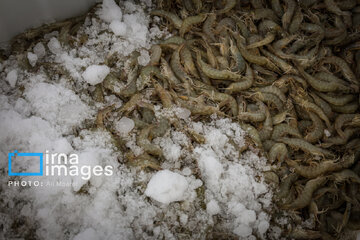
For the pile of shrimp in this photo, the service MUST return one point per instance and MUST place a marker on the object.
(287, 71)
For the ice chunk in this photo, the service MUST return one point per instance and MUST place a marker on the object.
(243, 230)
(11, 77)
(183, 219)
(166, 187)
(186, 171)
(144, 57)
(139, 28)
(209, 165)
(263, 227)
(32, 58)
(54, 46)
(248, 217)
(87, 234)
(95, 74)
(327, 133)
(172, 151)
(216, 138)
(183, 113)
(119, 28)
(236, 208)
(39, 50)
(57, 104)
(125, 125)
(110, 11)
(212, 207)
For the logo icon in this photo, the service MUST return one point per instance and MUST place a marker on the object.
(15, 154)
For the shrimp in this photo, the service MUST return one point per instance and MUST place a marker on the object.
(321, 86)
(266, 131)
(269, 98)
(230, 4)
(260, 60)
(317, 31)
(313, 108)
(164, 95)
(251, 116)
(168, 73)
(155, 55)
(285, 185)
(102, 114)
(143, 161)
(265, 13)
(258, 116)
(173, 40)
(298, 143)
(317, 129)
(269, 37)
(223, 62)
(303, 125)
(271, 177)
(278, 151)
(197, 106)
(344, 67)
(252, 132)
(176, 66)
(243, 85)
(267, 144)
(144, 142)
(146, 74)
(173, 18)
(269, 26)
(207, 26)
(346, 175)
(274, 90)
(280, 117)
(338, 140)
(299, 233)
(198, 5)
(296, 21)
(332, 7)
(189, 22)
(337, 100)
(130, 105)
(223, 98)
(347, 108)
(322, 167)
(240, 62)
(225, 23)
(341, 120)
(323, 105)
(276, 6)
(331, 78)
(189, 65)
(283, 129)
(305, 196)
(286, 18)
(283, 42)
(214, 73)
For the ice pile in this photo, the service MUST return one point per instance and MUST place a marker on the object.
(230, 177)
(41, 111)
